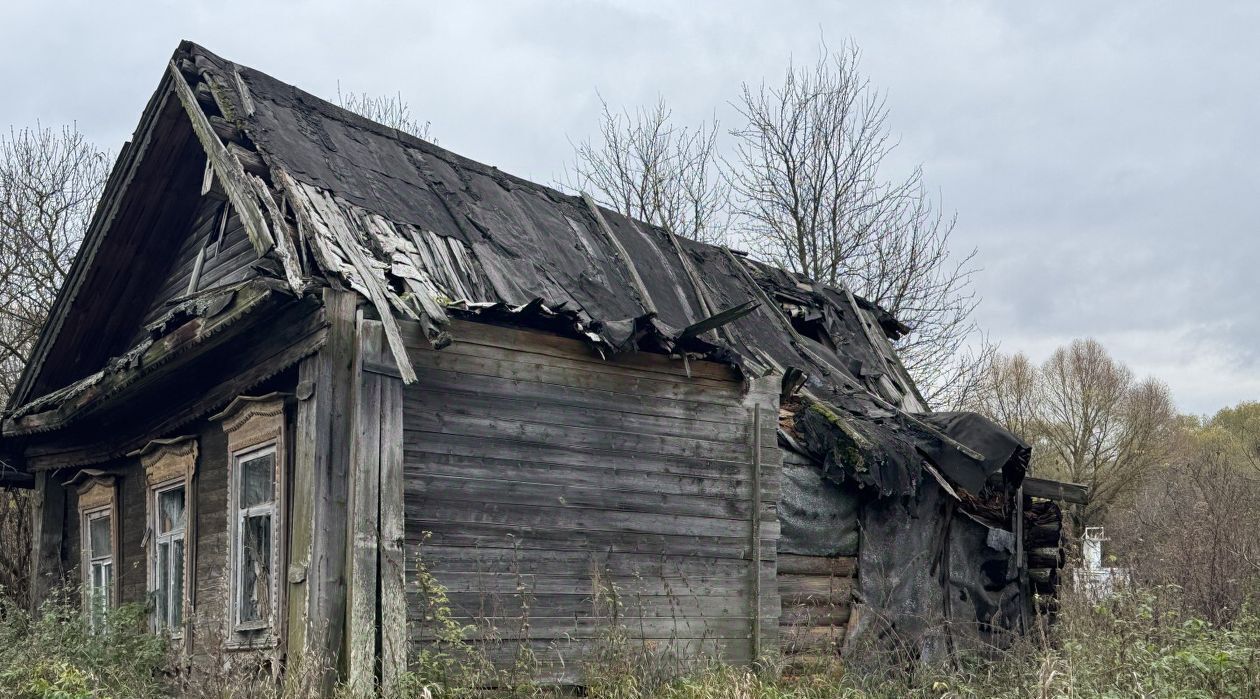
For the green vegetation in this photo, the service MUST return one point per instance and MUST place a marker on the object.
(54, 655)
(1140, 643)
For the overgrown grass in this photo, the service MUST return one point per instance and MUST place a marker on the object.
(54, 655)
(1139, 643)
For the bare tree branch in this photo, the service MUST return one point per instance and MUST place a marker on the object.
(49, 183)
(811, 197)
(646, 167)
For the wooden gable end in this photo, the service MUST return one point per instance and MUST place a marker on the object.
(131, 260)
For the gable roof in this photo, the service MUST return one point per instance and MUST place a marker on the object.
(424, 233)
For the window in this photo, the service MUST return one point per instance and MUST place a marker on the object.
(169, 466)
(99, 552)
(98, 536)
(255, 428)
(253, 540)
(168, 559)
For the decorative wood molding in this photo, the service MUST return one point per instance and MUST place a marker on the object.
(96, 492)
(168, 460)
(251, 420)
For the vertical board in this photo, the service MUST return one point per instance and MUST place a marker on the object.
(393, 602)
(558, 497)
(48, 537)
(364, 518)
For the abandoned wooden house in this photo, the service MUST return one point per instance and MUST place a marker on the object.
(303, 361)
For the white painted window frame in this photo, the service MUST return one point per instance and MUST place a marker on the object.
(90, 563)
(237, 545)
(168, 538)
(253, 424)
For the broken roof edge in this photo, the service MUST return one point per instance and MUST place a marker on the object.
(216, 310)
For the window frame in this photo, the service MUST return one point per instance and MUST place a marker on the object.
(236, 546)
(168, 464)
(97, 500)
(255, 425)
(169, 538)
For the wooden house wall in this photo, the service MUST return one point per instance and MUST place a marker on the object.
(207, 612)
(538, 475)
(129, 562)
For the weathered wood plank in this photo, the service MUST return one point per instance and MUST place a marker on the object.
(638, 365)
(364, 517)
(592, 474)
(542, 343)
(1056, 490)
(393, 537)
(608, 417)
(48, 566)
(474, 534)
(814, 590)
(841, 567)
(569, 396)
(541, 372)
(226, 167)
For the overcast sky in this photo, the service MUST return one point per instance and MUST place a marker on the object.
(1102, 156)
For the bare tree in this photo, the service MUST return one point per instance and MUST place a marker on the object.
(1009, 393)
(1089, 420)
(49, 183)
(645, 166)
(15, 544)
(1195, 525)
(391, 111)
(812, 197)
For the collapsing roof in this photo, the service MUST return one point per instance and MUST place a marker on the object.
(423, 232)
(426, 234)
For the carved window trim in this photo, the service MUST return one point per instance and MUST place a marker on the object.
(169, 464)
(254, 427)
(98, 498)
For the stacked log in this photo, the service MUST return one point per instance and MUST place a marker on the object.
(816, 594)
(1045, 552)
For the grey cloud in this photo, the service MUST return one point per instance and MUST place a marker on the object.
(1103, 157)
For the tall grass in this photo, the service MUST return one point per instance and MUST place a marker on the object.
(1141, 642)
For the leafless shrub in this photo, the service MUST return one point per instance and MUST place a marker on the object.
(1195, 525)
(15, 545)
(391, 111)
(645, 166)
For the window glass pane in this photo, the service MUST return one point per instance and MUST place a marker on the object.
(256, 480)
(170, 510)
(99, 535)
(97, 594)
(255, 572)
(163, 582)
(177, 584)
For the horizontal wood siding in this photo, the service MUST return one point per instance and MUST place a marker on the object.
(549, 491)
(817, 597)
(229, 263)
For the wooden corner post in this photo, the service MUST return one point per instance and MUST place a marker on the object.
(47, 537)
(377, 611)
(323, 441)
(766, 465)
